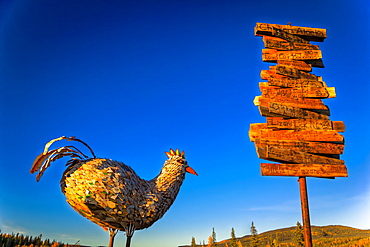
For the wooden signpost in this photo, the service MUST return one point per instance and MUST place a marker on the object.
(298, 133)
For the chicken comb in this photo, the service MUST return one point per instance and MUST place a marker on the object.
(172, 153)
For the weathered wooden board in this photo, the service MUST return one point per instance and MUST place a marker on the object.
(267, 74)
(304, 92)
(300, 65)
(271, 55)
(304, 135)
(279, 33)
(304, 170)
(289, 82)
(266, 85)
(294, 73)
(302, 146)
(316, 63)
(276, 153)
(309, 33)
(293, 112)
(304, 103)
(280, 44)
(305, 124)
(254, 130)
(316, 105)
(287, 72)
(272, 75)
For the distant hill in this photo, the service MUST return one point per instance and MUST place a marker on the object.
(341, 236)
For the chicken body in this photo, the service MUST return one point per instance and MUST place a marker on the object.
(110, 193)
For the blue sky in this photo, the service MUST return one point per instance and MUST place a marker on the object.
(135, 78)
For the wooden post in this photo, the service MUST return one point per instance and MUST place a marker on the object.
(305, 212)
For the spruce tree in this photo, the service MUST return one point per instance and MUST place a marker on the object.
(233, 238)
(298, 238)
(193, 244)
(214, 244)
(254, 232)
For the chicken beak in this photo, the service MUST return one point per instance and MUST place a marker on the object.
(191, 170)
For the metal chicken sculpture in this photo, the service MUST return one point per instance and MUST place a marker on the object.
(110, 193)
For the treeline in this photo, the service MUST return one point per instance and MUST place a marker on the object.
(295, 237)
(19, 240)
(323, 236)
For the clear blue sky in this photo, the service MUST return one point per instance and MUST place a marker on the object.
(135, 78)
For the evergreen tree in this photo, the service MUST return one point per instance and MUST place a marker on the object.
(193, 244)
(214, 244)
(9, 242)
(254, 232)
(233, 238)
(298, 238)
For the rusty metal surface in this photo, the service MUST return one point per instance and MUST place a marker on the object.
(305, 212)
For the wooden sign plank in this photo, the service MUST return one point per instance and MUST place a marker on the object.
(275, 153)
(271, 55)
(279, 33)
(316, 63)
(304, 92)
(316, 105)
(293, 112)
(271, 74)
(309, 33)
(294, 73)
(282, 45)
(304, 170)
(300, 65)
(304, 103)
(266, 85)
(254, 130)
(302, 146)
(267, 74)
(286, 72)
(290, 82)
(304, 135)
(305, 124)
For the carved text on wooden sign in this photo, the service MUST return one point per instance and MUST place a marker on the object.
(305, 103)
(276, 153)
(303, 146)
(290, 111)
(304, 135)
(304, 170)
(289, 82)
(303, 92)
(305, 124)
(313, 34)
(271, 55)
(280, 44)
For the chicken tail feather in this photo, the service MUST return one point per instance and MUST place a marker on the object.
(43, 161)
